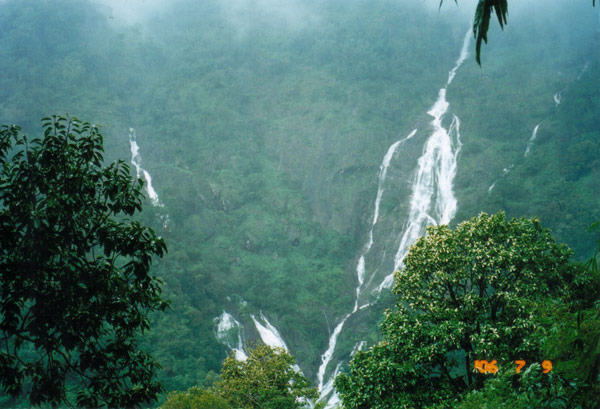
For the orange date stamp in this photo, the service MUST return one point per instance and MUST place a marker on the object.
(491, 367)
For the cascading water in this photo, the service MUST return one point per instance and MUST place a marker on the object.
(557, 98)
(270, 336)
(360, 270)
(136, 161)
(329, 390)
(268, 333)
(326, 357)
(229, 333)
(583, 70)
(432, 202)
(360, 267)
(504, 173)
(532, 139)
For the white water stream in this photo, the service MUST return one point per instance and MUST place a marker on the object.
(557, 98)
(268, 333)
(583, 70)
(229, 333)
(532, 139)
(327, 388)
(136, 161)
(360, 267)
(504, 173)
(432, 202)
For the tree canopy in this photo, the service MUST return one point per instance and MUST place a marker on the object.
(266, 380)
(466, 296)
(195, 398)
(76, 286)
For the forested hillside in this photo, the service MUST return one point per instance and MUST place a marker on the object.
(265, 127)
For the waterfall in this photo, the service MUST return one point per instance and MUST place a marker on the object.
(557, 101)
(136, 161)
(329, 390)
(583, 70)
(229, 333)
(326, 357)
(532, 139)
(358, 347)
(360, 267)
(504, 173)
(432, 202)
(557, 98)
(385, 163)
(268, 333)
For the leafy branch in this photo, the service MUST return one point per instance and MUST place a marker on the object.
(481, 21)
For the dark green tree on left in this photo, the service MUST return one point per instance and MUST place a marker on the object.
(75, 281)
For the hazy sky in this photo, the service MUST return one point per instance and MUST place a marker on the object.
(293, 14)
(297, 14)
(134, 11)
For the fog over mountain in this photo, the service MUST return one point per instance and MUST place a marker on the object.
(299, 147)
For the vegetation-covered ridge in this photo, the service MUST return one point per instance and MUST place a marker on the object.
(264, 131)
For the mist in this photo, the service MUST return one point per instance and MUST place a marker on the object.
(134, 11)
(284, 139)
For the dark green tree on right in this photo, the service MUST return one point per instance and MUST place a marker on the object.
(484, 292)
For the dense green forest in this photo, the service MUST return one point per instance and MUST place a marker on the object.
(264, 125)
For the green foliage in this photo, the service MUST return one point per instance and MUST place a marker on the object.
(569, 336)
(464, 295)
(534, 390)
(75, 286)
(481, 21)
(266, 380)
(562, 163)
(195, 398)
(592, 263)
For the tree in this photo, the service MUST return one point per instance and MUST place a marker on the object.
(195, 398)
(266, 380)
(481, 20)
(75, 285)
(465, 296)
